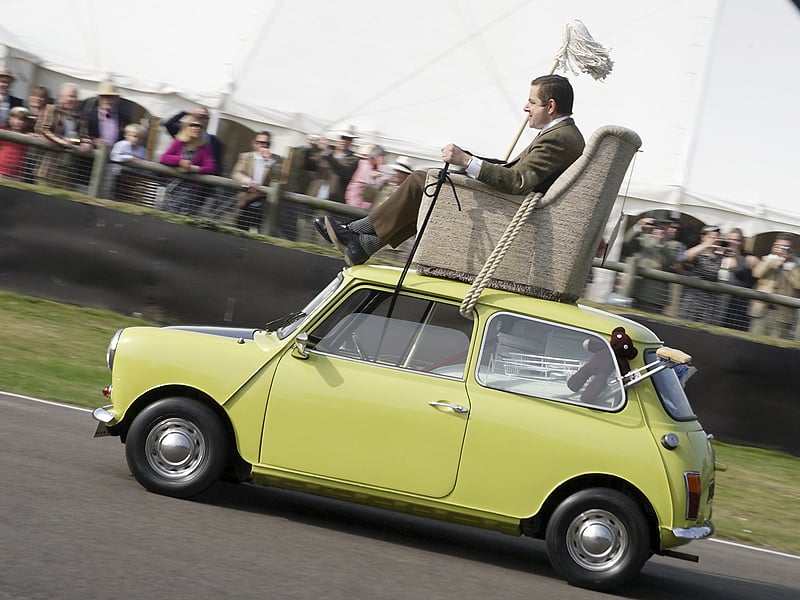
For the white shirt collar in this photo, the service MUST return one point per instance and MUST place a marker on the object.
(553, 122)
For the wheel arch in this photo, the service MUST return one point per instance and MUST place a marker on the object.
(536, 525)
(236, 468)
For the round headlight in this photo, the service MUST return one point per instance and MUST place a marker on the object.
(112, 349)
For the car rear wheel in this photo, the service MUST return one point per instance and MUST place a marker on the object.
(598, 539)
(177, 447)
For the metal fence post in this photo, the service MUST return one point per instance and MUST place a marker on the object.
(631, 265)
(97, 181)
(270, 223)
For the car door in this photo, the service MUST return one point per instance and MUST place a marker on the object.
(380, 398)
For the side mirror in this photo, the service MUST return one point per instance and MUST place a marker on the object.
(300, 346)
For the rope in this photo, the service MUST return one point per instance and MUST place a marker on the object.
(482, 279)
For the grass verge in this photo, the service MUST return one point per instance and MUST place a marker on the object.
(57, 352)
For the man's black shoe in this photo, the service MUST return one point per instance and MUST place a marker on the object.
(346, 241)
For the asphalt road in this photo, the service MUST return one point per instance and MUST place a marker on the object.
(75, 524)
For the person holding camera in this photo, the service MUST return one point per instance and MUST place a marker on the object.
(647, 244)
(703, 261)
(736, 269)
(777, 273)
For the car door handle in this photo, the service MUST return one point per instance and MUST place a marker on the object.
(454, 407)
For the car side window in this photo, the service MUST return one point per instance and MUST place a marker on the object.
(412, 333)
(547, 360)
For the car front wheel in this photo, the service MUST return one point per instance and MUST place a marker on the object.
(176, 447)
(598, 539)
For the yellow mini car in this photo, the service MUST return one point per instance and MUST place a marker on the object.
(521, 419)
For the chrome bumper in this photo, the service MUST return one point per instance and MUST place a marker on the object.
(694, 533)
(102, 414)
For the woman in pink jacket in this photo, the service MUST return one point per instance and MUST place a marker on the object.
(188, 153)
(368, 179)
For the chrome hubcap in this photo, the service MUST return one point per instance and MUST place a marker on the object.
(175, 448)
(597, 540)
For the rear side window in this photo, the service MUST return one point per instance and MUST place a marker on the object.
(670, 391)
(546, 360)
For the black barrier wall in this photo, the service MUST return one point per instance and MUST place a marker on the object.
(170, 273)
(167, 272)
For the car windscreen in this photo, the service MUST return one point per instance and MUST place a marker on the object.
(309, 308)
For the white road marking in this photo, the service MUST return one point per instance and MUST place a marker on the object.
(756, 548)
(50, 402)
(718, 541)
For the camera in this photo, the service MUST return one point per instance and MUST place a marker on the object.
(722, 243)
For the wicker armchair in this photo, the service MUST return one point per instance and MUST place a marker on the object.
(551, 254)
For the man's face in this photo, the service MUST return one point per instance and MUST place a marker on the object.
(261, 144)
(69, 98)
(5, 83)
(343, 144)
(106, 103)
(539, 113)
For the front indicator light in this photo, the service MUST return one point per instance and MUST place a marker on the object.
(693, 493)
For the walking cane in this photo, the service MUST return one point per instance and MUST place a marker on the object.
(580, 53)
(440, 180)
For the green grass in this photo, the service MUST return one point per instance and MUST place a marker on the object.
(57, 352)
(758, 497)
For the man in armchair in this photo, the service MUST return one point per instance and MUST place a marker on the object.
(558, 144)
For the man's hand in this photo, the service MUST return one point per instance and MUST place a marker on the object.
(455, 156)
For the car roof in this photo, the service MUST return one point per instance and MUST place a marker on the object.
(575, 315)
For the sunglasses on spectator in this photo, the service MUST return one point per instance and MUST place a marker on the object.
(195, 125)
(262, 142)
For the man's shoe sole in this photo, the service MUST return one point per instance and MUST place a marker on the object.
(321, 225)
(335, 241)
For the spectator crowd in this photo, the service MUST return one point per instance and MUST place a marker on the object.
(330, 167)
(716, 256)
(334, 167)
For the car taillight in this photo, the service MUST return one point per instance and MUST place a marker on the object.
(693, 492)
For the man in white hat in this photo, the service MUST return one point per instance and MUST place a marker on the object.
(105, 122)
(7, 101)
(333, 167)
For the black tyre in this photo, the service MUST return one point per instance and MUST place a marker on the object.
(598, 539)
(177, 447)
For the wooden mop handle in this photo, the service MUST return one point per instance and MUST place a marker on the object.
(525, 120)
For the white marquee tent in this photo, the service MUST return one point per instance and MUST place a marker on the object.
(710, 85)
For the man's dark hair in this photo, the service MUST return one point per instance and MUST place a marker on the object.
(558, 88)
